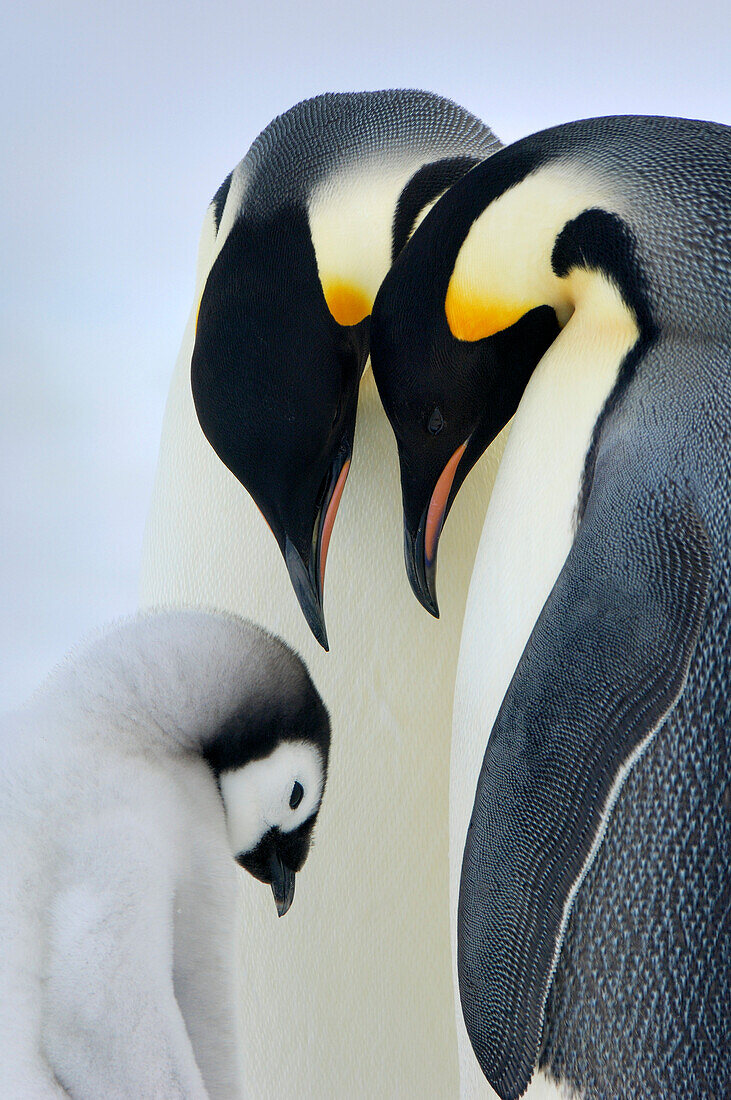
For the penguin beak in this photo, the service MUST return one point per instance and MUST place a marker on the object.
(308, 578)
(283, 879)
(422, 575)
(420, 547)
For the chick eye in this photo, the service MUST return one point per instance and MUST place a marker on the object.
(296, 796)
(436, 421)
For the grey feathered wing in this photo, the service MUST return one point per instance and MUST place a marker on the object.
(605, 663)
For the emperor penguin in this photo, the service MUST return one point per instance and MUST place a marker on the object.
(271, 371)
(583, 277)
(147, 760)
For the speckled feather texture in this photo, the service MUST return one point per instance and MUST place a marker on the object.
(639, 1005)
(326, 135)
(638, 1001)
(605, 662)
(656, 914)
(351, 994)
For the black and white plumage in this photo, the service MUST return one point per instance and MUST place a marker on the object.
(584, 278)
(304, 229)
(292, 253)
(129, 781)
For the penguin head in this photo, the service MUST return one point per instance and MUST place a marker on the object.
(301, 235)
(218, 687)
(467, 311)
(271, 809)
(275, 383)
(270, 760)
(445, 406)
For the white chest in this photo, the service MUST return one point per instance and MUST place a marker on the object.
(527, 535)
(344, 974)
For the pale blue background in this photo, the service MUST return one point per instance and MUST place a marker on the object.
(119, 122)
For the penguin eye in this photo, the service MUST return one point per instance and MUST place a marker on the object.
(296, 796)
(435, 422)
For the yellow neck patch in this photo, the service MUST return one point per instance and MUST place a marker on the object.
(347, 303)
(473, 318)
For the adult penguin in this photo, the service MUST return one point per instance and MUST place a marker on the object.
(294, 247)
(582, 276)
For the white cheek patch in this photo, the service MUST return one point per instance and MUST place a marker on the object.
(257, 795)
(503, 268)
(351, 216)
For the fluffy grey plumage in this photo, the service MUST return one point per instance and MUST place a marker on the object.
(118, 913)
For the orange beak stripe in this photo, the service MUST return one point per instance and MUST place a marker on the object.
(438, 503)
(329, 522)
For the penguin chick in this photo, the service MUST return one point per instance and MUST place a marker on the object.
(142, 764)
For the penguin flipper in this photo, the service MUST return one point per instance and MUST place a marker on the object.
(605, 663)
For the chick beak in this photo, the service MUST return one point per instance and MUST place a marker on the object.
(308, 579)
(420, 548)
(283, 879)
